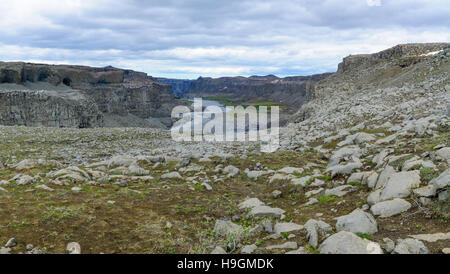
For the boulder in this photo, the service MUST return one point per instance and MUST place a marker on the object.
(349, 243)
(250, 203)
(287, 227)
(357, 222)
(266, 211)
(390, 208)
(400, 185)
(316, 230)
(410, 246)
(442, 181)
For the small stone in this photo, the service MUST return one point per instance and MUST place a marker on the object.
(218, 250)
(30, 247)
(5, 250)
(300, 251)
(76, 189)
(169, 225)
(446, 250)
(288, 245)
(248, 249)
(73, 248)
(388, 245)
(311, 201)
(266, 211)
(11, 242)
(172, 175)
(287, 227)
(276, 194)
(207, 186)
(250, 203)
(44, 187)
(410, 246)
(268, 227)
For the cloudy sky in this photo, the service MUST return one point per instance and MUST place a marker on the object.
(191, 38)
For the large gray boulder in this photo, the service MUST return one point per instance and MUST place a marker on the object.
(287, 227)
(357, 222)
(400, 185)
(228, 229)
(442, 181)
(316, 230)
(349, 243)
(340, 191)
(250, 203)
(444, 153)
(342, 153)
(266, 211)
(390, 208)
(384, 176)
(410, 246)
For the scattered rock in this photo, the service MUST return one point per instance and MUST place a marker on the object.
(288, 245)
(228, 229)
(4, 250)
(248, 249)
(388, 245)
(250, 203)
(286, 227)
(316, 229)
(357, 222)
(73, 248)
(266, 211)
(431, 238)
(410, 246)
(442, 181)
(218, 251)
(11, 242)
(276, 194)
(172, 175)
(400, 185)
(340, 191)
(231, 171)
(390, 208)
(348, 243)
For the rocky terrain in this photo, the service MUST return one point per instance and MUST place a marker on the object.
(364, 167)
(83, 97)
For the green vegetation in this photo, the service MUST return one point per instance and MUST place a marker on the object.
(428, 174)
(327, 199)
(365, 236)
(232, 102)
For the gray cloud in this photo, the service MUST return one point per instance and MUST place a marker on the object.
(212, 38)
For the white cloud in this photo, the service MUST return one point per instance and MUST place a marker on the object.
(210, 38)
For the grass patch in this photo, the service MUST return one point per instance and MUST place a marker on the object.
(427, 174)
(365, 236)
(327, 199)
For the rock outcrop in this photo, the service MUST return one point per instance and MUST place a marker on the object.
(77, 96)
(290, 91)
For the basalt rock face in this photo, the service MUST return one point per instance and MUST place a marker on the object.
(41, 108)
(180, 86)
(289, 91)
(77, 96)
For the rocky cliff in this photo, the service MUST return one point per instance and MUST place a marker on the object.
(289, 91)
(77, 96)
(409, 81)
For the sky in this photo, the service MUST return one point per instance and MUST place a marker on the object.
(214, 38)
